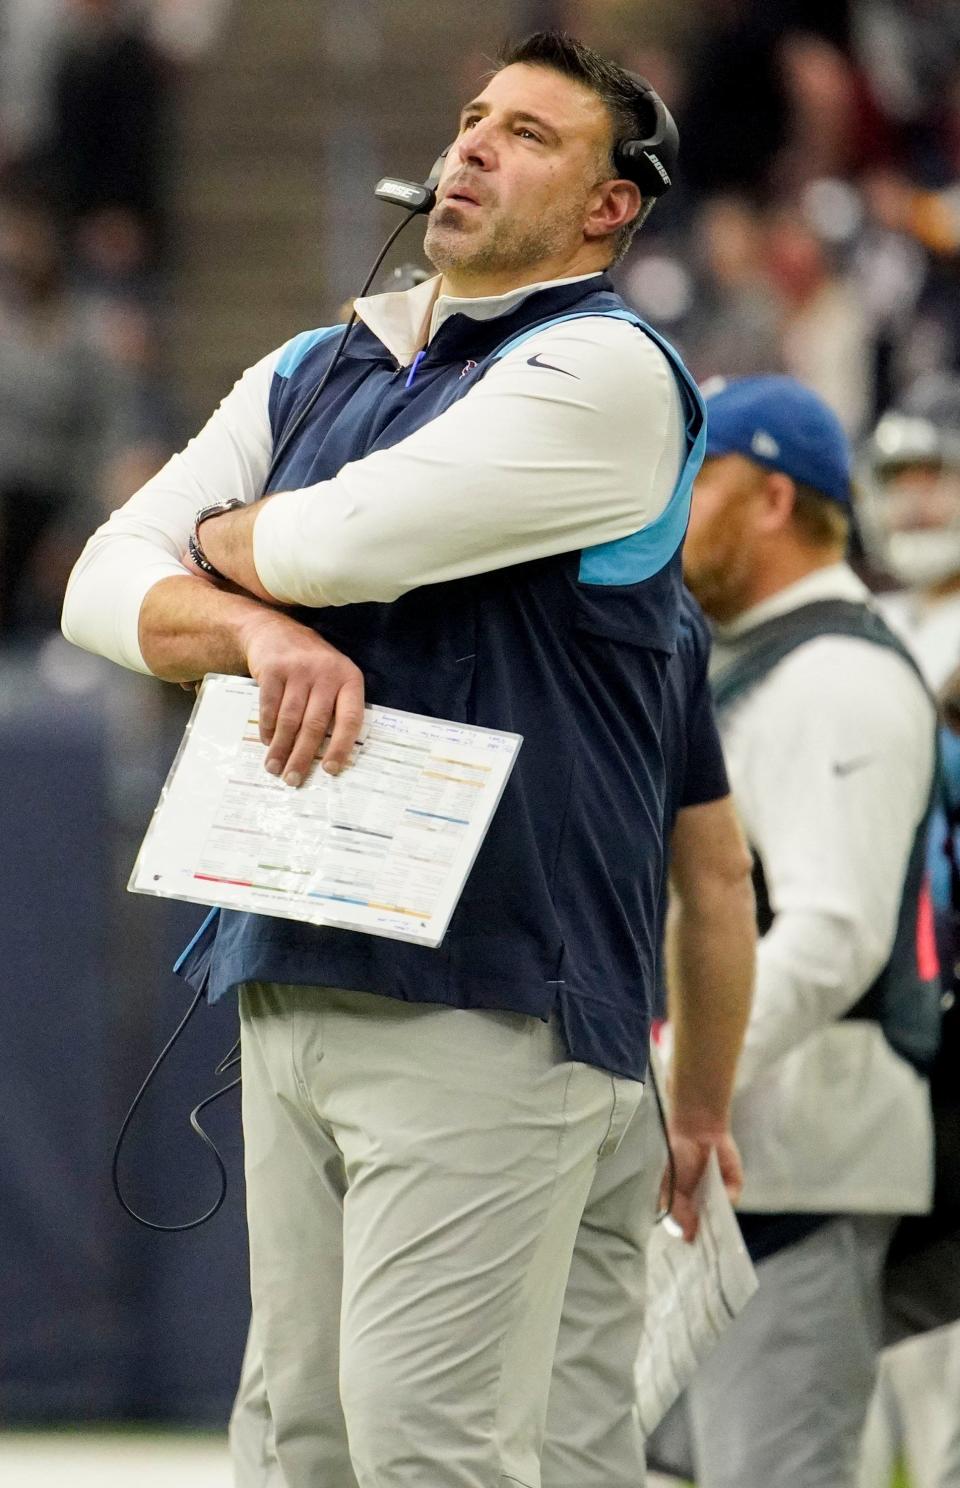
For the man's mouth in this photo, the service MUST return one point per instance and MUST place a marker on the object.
(463, 196)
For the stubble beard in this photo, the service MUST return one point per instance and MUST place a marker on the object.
(498, 247)
(712, 593)
(719, 582)
(720, 559)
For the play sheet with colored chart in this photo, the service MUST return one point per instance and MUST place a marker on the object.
(384, 848)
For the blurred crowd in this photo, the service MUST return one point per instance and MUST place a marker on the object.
(816, 230)
(87, 89)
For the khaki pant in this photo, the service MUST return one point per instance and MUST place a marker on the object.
(593, 1435)
(415, 1180)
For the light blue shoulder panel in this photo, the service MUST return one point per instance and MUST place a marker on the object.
(295, 350)
(628, 560)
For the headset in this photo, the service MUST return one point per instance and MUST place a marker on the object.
(650, 163)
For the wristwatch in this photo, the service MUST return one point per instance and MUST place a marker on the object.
(194, 547)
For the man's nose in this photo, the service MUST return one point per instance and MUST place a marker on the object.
(477, 147)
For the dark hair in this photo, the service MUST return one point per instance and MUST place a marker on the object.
(626, 104)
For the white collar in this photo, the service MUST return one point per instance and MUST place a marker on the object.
(406, 320)
(838, 581)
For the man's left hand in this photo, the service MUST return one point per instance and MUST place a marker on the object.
(691, 1155)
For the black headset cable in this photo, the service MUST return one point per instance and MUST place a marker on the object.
(671, 1160)
(310, 403)
(230, 1060)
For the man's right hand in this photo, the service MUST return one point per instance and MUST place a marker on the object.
(307, 687)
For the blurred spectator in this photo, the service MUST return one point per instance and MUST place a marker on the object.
(29, 31)
(736, 327)
(31, 36)
(735, 113)
(838, 126)
(891, 271)
(110, 267)
(931, 217)
(85, 417)
(911, 254)
(183, 30)
(826, 334)
(106, 141)
(909, 51)
(66, 415)
(823, 106)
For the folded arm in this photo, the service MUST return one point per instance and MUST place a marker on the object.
(573, 439)
(534, 460)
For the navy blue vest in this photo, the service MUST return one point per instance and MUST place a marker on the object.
(560, 910)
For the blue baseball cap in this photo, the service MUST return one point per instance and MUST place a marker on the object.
(779, 423)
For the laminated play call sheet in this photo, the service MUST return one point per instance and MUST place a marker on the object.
(384, 848)
(693, 1294)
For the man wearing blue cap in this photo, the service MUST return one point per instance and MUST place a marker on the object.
(829, 738)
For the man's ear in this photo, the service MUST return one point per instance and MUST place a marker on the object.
(615, 203)
(779, 498)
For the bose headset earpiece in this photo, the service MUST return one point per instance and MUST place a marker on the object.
(651, 161)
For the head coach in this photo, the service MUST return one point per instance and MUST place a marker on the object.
(480, 519)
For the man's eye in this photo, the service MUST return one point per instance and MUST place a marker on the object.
(468, 123)
(526, 133)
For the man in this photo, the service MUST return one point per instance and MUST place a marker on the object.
(484, 511)
(593, 1434)
(829, 738)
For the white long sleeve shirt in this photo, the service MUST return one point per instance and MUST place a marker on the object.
(573, 439)
(830, 760)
